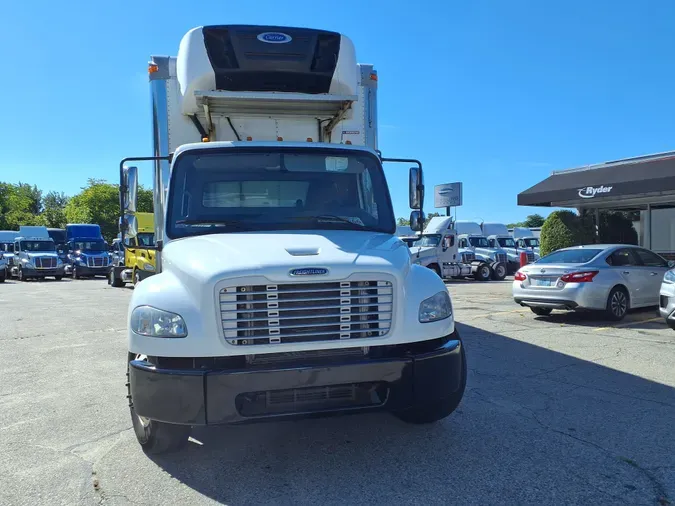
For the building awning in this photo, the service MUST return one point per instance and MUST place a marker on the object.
(620, 184)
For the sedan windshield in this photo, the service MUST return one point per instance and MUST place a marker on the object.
(478, 242)
(37, 246)
(232, 190)
(93, 246)
(428, 240)
(570, 256)
(506, 242)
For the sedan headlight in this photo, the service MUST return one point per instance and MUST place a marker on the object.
(435, 308)
(152, 322)
(669, 277)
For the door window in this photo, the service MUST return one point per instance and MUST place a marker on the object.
(649, 259)
(622, 258)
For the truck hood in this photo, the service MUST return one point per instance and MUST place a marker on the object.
(210, 258)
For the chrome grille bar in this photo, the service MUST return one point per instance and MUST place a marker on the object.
(306, 312)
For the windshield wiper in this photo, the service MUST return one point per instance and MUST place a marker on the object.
(329, 217)
(217, 223)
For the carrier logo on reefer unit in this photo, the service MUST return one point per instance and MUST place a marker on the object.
(309, 271)
(274, 38)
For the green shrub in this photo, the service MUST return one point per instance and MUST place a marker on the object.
(617, 228)
(561, 229)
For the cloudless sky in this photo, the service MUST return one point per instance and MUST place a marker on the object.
(495, 94)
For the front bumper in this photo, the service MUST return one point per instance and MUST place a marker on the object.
(392, 378)
(667, 303)
(85, 270)
(37, 273)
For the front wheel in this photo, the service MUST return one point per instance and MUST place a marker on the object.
(437, 410)
(58, 278)
(153, 436)
(20, 275)
(483, 273)
(76, 275)
(113, 280)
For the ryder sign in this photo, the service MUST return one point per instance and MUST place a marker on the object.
(589, 192)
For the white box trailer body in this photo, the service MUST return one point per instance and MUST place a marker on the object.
(265, 305)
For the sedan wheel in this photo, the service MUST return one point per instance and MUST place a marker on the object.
(617, 304)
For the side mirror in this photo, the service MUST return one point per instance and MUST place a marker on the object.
(130, 194)
(417, 220)
(130, 225)
(416, 188)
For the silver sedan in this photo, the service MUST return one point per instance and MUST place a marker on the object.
(606, 277)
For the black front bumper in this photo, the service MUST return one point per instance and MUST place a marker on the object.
(41, 273)
(85, 270)
(400, 377)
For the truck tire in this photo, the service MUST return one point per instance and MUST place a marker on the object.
(483, 273)
(434, 411)
(498, 271)
(3, 275)
(58, 278)
(153, 436)
(20, 276)
(113, 280)
(76, 275)
(136, 277)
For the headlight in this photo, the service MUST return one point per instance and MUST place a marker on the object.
(27, 264)
(151, 322)
(669, 277)
(149, 267)
(435, 308)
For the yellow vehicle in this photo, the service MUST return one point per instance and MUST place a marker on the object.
(139, 254)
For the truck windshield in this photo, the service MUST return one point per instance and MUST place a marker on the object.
(428, 240)
(145, 239)
(7, 246)
(37, 246)
(93, 246)
(277, 189)
(506, 242)
(531, 242)
(478, 242)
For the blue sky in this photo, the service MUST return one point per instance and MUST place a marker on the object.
(495, 93)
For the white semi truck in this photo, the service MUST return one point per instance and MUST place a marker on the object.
(472, 239)
(438, 249)
(499, 238)
(281, 290)
(526, 239)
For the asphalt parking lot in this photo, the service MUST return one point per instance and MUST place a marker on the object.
(568, 410)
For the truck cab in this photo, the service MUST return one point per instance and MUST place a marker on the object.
(281, 289)
(525, 239)
(35, 255)
(437, 248)
(138, 255)
(7, 238)
(499, 238)
(472, 239)
(87, 250)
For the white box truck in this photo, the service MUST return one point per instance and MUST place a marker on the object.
(282, 290)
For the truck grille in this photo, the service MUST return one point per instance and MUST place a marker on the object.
(97, 261)
(45, 262)
(500, 257)
(306, 312)
(468, 257)
(530, 256)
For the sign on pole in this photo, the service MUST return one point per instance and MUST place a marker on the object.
(448, 195)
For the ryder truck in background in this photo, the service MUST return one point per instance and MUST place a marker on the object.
(281, 289)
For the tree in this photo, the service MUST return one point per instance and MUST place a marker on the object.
(534, 221)
(98, 202)
(54, 209)
(403, 222)
(145, 200)
(562, 229)
(616, 227)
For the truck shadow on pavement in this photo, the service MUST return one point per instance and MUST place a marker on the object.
(535, 426)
